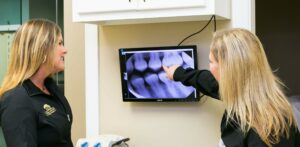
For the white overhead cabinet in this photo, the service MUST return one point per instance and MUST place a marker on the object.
(170, 4)
(85, 7)
(148, 11)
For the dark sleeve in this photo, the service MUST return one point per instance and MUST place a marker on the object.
(297, 138)
(202, 80)
(254, 140)
(18, 121)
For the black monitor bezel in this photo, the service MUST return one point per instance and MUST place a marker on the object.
(124, 83)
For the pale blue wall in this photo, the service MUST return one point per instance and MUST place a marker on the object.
(2, 141)
(10, 12)
(5, 42)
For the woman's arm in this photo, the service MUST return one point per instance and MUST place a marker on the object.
(18, 121)
(202, 80)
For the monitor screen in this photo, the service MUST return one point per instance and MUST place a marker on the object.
(143, 78)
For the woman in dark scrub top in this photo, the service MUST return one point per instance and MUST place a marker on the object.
(257, 113)
(34, 112)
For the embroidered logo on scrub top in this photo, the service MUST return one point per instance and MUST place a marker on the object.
(48, 109)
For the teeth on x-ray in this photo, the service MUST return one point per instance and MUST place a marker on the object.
(155, 86)
(171, 58)
(187, 60)
(129, 67)
(147, 79)
(168, 85)
(139, 85)
(154, 61)
(140, 63)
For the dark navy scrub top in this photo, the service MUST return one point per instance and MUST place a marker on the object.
(31, 118)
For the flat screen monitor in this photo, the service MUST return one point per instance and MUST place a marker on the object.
(143, 78)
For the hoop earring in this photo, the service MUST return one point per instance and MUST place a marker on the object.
(45, 58)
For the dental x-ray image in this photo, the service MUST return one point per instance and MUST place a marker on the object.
(143, 77)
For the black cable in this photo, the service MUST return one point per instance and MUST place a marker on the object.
(215, 23)
(215, 27)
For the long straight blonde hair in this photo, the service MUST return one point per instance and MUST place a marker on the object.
(252, 94)
(33, 45)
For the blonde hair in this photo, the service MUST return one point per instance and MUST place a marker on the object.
(33, 44)
(252, 94)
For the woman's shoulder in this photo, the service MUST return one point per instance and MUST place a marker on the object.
(17, 95)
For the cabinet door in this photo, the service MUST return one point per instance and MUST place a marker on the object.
(104, 6)
(169, 4)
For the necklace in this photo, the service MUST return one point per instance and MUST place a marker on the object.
(43, 88)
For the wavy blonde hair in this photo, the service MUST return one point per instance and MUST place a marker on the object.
(252, 94)
(33, 45)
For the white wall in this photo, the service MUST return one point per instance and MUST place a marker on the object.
(74, 71)
(156, 124)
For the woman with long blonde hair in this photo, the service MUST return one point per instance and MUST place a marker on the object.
(34, 112)
(257, 112)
